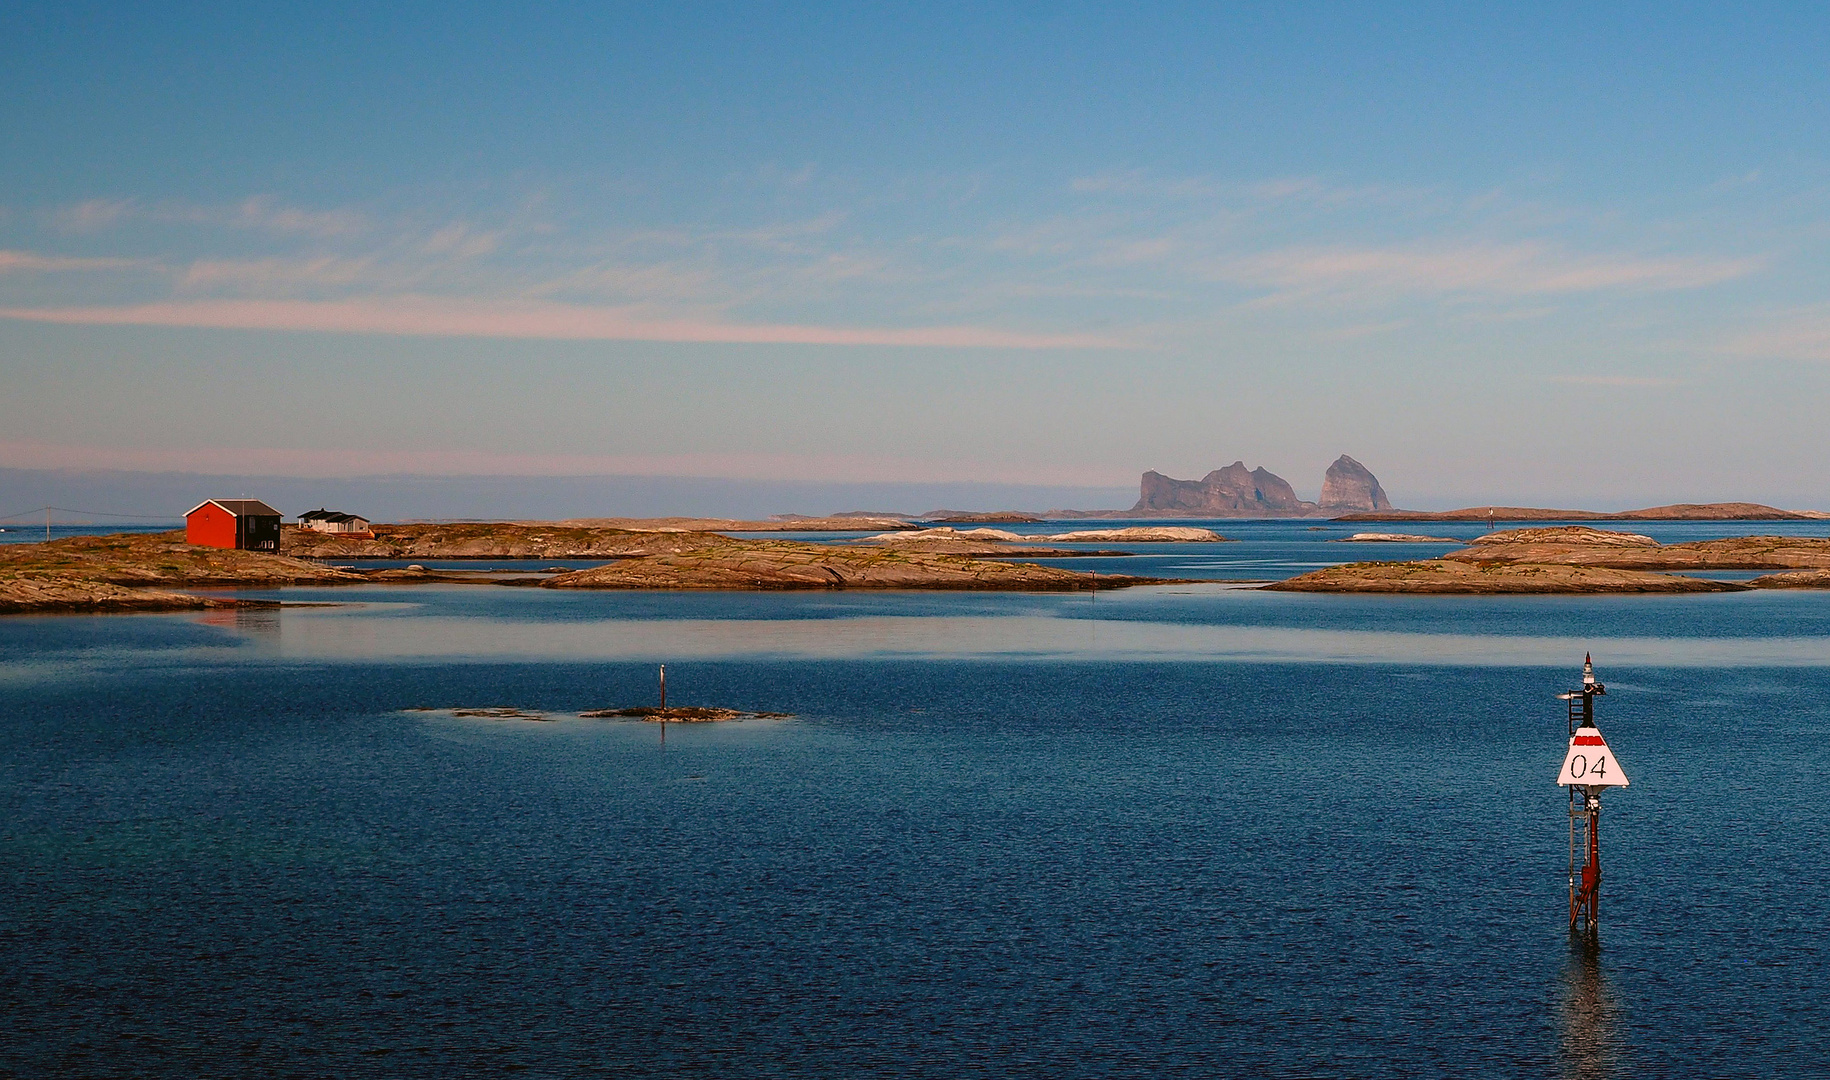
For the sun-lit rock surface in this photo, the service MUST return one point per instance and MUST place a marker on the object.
(1137, 534)
(722, 562)
(1794, 579)
(1446, 577)
(101, 573)
(1627, 551)
(1723, 511)
(1393, 538)
(849, 522)
(946, 533)
(490, 540)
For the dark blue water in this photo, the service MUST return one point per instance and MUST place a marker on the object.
(22, 531)
(1172, 832)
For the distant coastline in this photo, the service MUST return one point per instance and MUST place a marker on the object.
(1720, 511)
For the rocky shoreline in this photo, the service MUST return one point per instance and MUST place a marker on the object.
(1725, 511)
(1444, 577)
(1582, 559)
(139, 571)
(727, 563)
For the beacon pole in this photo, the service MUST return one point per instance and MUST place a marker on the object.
(1589, 767)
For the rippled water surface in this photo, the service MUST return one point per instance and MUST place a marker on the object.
(1181, 831)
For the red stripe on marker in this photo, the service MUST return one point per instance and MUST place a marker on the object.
(1590, 740)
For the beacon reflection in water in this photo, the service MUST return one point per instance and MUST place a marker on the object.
(1588, 1036)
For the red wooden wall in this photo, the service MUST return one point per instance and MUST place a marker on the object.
(211, 526)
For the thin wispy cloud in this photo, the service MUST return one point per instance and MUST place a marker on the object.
(461, 241)
(261, 212)
(1509, 269)
(1795, 335)
(266, 275)
(1152, 257)
(91, 215)
(436, 317)
(1310, 190)
(32, 262)
(1623, 381)
(348, 461)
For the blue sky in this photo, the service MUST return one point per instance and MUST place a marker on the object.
(1531, 254)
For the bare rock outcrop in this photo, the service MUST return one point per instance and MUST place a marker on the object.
(119, 573)
(1580, 546)
(723, 562)
(1727, 511)
(1794, 579)
(1441, 576)
(1234, 491)
(1349, 485)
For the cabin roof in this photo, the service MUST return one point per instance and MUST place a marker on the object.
(322, 514)
(238, 507)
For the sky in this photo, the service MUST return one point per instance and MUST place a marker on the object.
(1522, 254)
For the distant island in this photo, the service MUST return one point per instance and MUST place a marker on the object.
(1580, 559)
(1722, 511)
(1350, 492)
(1238, 492)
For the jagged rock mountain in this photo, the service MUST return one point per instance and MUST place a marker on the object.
(1236, 491)
(1350, 486)
(1230, 492)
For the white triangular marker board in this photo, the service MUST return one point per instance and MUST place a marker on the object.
(1591, 761)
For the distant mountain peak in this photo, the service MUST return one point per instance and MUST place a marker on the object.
(1236, 491)
(1349, 485)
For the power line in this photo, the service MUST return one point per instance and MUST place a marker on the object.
(148, 518)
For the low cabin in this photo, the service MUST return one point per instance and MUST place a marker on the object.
(335, 522)
(248, 524)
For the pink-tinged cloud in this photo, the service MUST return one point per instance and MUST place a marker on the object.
(1516, 269)
(31, 261)
(1632, 381)
(345, 461)
(1801, 335)
(429, 317)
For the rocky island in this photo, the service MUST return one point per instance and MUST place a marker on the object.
(141, 571)
(1582, 559)
(137, 572)
(1001, 544)
(1442, 576)
(1236, 491)
(723, 562)
(1722, 511)
(1578, 545)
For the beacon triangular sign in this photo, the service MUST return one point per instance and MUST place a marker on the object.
(1590, 761)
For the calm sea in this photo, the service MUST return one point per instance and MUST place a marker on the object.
(1188, 830)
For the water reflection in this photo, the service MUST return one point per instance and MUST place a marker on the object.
(1590, 1021)
(260, 623)
(374, 634)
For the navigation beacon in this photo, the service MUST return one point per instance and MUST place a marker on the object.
(1588, 768)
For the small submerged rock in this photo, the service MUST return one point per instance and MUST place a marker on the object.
(500, 714)
(685, 714)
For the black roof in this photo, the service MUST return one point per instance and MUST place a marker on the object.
(238, 507)
(322, 514)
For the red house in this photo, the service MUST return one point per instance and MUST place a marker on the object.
(248, 524)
